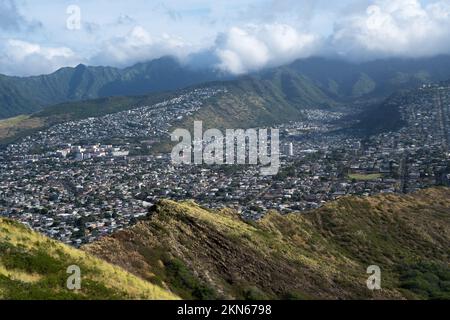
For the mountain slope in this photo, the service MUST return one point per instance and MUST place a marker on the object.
(159, 75)
(249, 102)
(382, 117)
(13, 101)
(19, 95)
(380, 78)
(14, 128)
(322, 254)
(263, 99)
(260, 101)
(336, 78)
(34, 267)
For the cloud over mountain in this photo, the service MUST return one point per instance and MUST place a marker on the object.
(21, 57)
(139, 45)
(241, 50)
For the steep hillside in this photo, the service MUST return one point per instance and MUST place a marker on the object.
(260, 101)
(34, 267)
(322, 254)
(24, 95)
(336, 78)
(13, 101)
(382, 117)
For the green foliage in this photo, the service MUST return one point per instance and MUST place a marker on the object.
(176, 275)
(254, 294)
(182, 280)
(53, 273)
(38, 261)
(364, 86)
(31, 94)
(33, 267)
(428, 280)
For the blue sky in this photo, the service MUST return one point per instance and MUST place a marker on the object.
(239, 35)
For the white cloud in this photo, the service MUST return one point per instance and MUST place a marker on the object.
(253, 47)
(395, 28)
(139, 46)
(24, 58)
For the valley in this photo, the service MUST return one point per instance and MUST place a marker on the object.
(204, 153)
(81, 180)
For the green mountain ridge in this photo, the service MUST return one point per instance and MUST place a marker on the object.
(25, 95)
(341, 80)
(323, 254)
(250, 101)
(256, 101)
(379, 78)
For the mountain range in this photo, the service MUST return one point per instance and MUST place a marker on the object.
(22, 95)
(182, 250)
(337, 79)
(269, 97)
(277, 96)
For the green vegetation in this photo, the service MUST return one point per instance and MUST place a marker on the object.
(364, 86)
(182, 280)
(33, 267)
(173, 272)
(30, 94)
(200, 254)
(426, 280)
(12, 128)
(365, 177)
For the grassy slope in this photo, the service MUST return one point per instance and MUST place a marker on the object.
(34, 267)
(322, 254)
(365, 177)
(12, 128)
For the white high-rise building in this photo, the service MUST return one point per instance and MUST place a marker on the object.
(291, 149)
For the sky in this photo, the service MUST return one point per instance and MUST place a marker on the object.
(236, 36)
